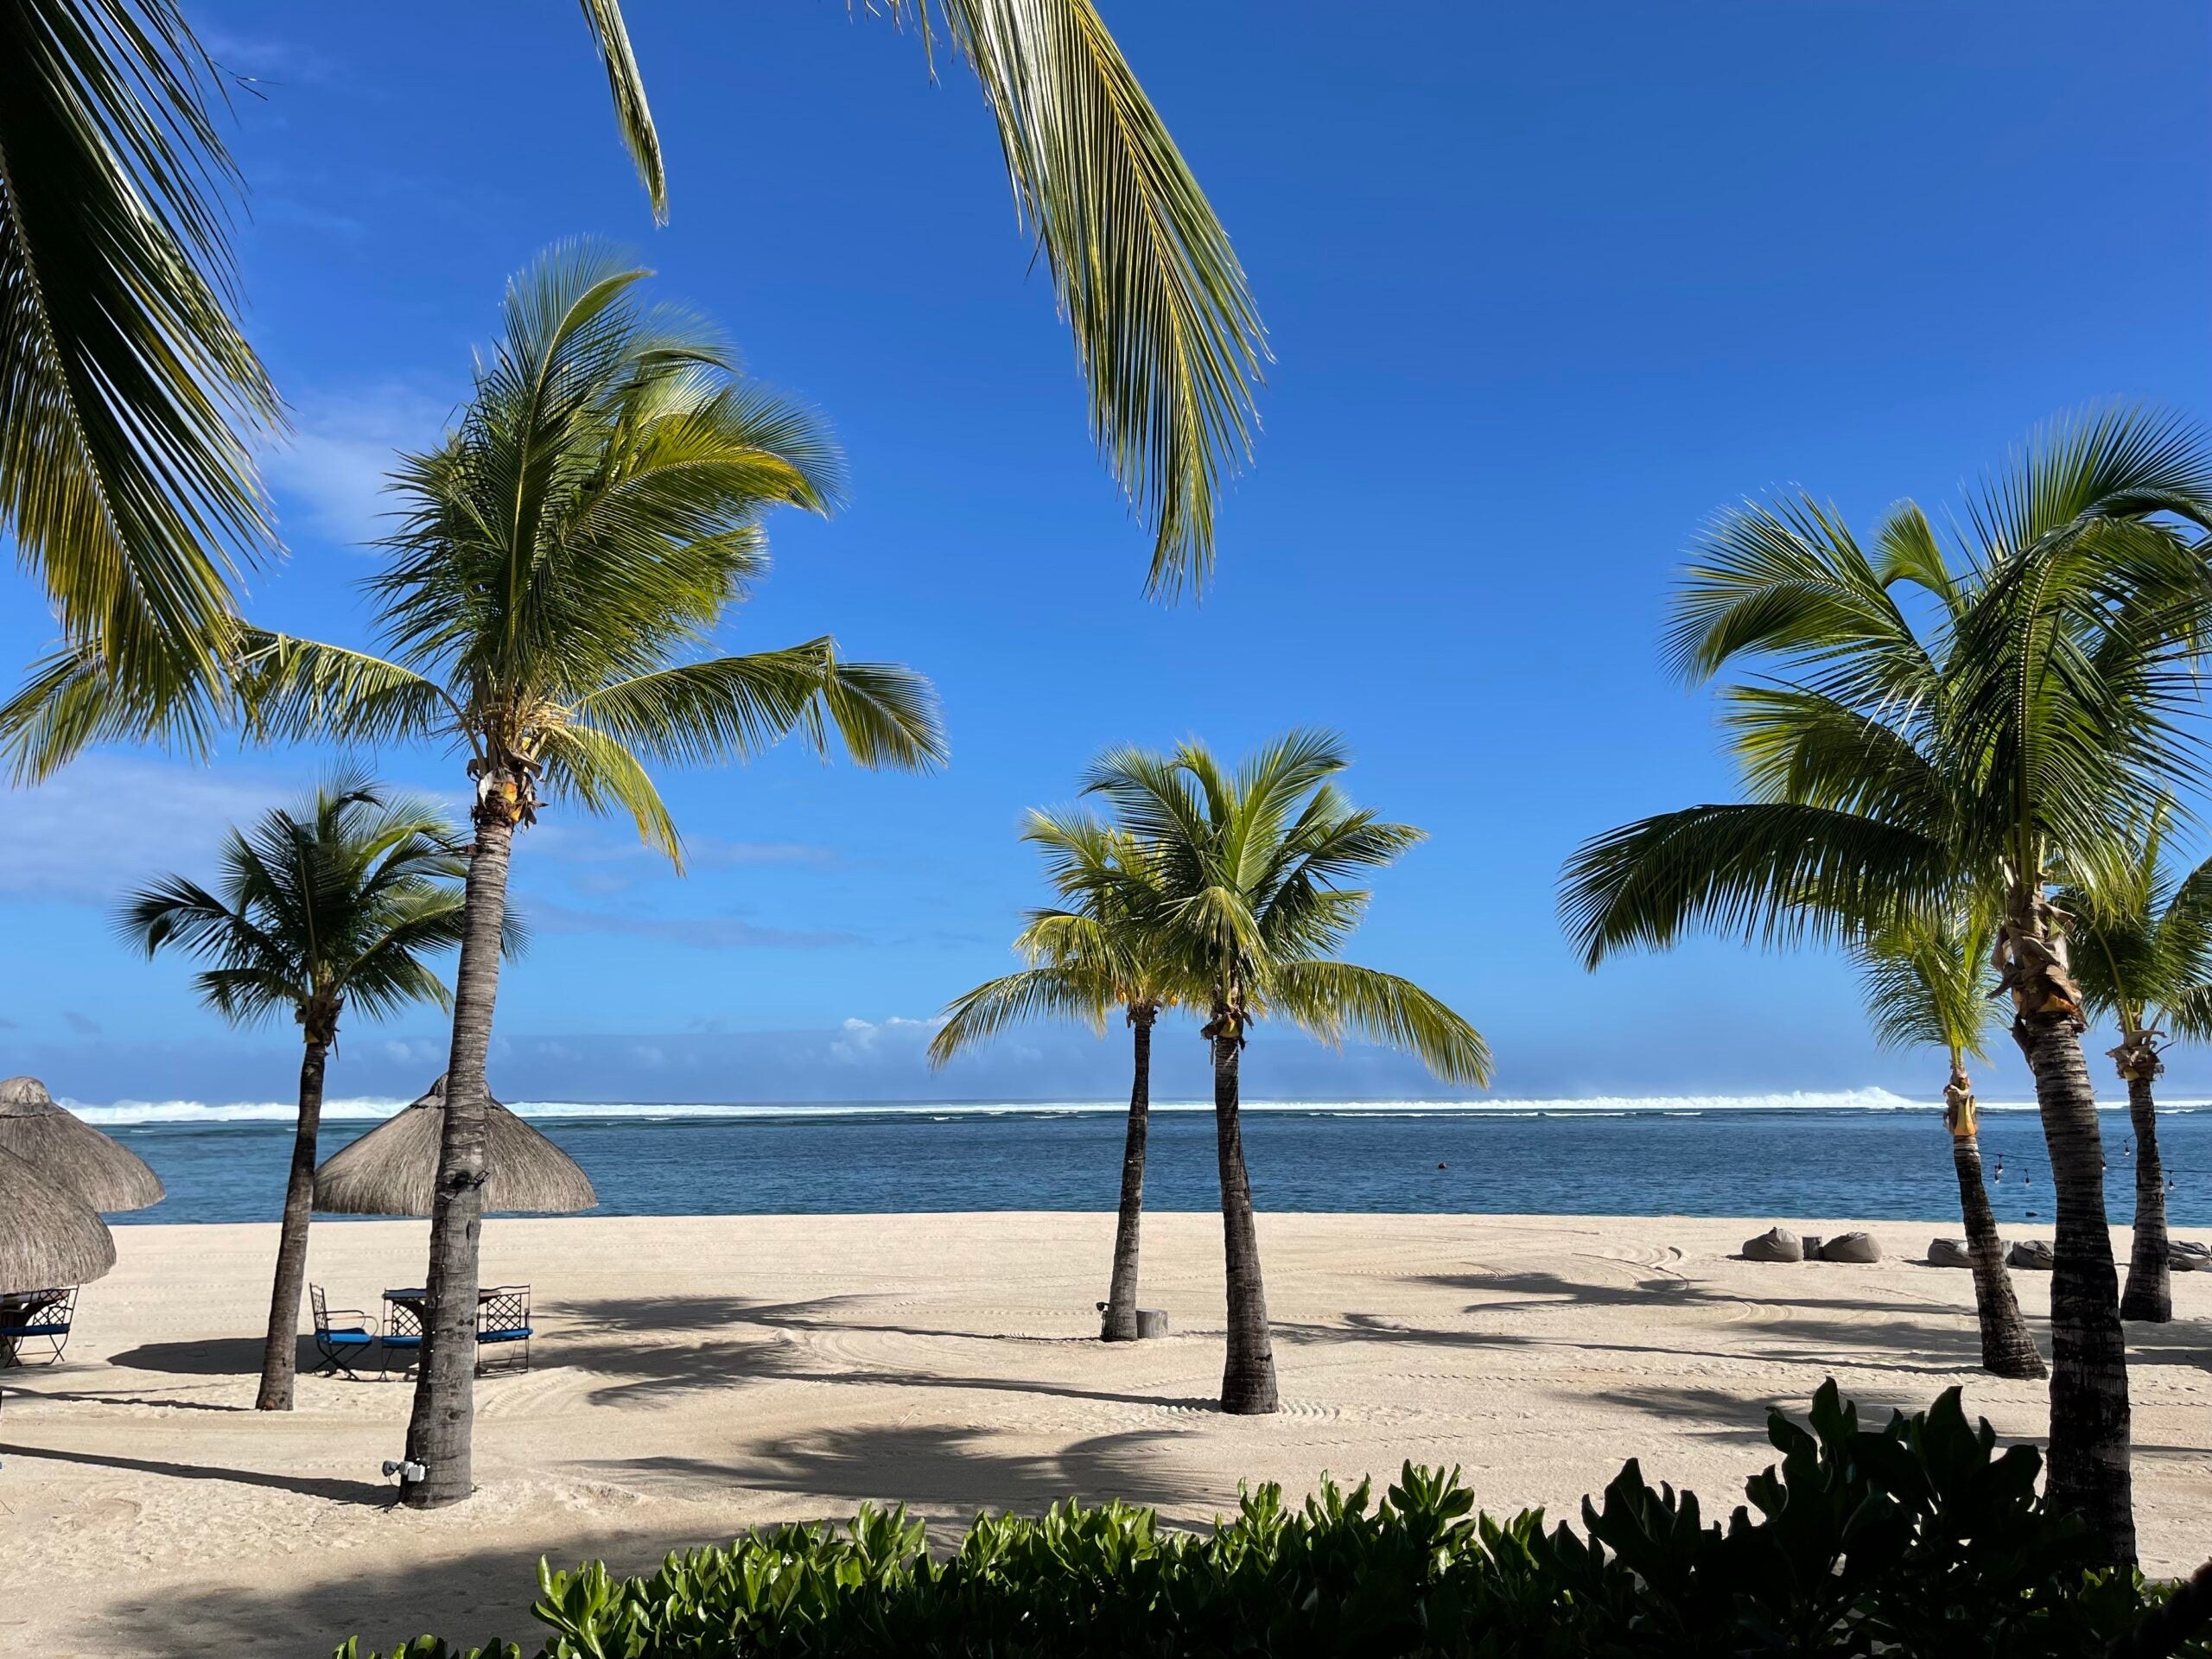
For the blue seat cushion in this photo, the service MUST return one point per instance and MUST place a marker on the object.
(520, 1333)
(348, 1335)
(33, 1330)
(402, 1342)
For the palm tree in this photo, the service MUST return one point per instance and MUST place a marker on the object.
(1924, 984)
(1098, 954)
(1888, 772)
(1247, 867)
(131, 402)
(2144, 959)
(560, 560)
(333, 906)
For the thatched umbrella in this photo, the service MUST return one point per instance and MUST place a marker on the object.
(70, 1153)
(392, 1170)
(48, 1237)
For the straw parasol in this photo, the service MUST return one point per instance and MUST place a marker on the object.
(68, 1152)
(392, 1170)
(48, 1237)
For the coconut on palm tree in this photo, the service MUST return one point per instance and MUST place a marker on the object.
(1925, 982)
(131, 403)
(561, 563)
(2014, 745)
(1100, 951)
(2142, 956)
(1247, 868)
(328, 909)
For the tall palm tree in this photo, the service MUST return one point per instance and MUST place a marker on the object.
(130, 401)
(561, 561)
(1924, 982)
(1888, 771)
(1098, 953)
(2143, 958)
(330, 907)
(1248, 867)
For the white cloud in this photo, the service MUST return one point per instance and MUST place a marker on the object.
(332, 471)
(865, 1041)
(108, 822)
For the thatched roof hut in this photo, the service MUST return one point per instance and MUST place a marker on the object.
(48, 1237)
(70, 1153)
(392, 1170)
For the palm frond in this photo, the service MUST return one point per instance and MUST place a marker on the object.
(1786, 581)
(886, 714)
(1034, 994)
(1926, 979)
(74, 697)
(1802, 745)
(628, 87)
(1769, 871)
(599, 772)
(1164, 327)
(732, 708)
(295, 690)
(127, 395)
(1330, 999)
(1912, 553)
(2117, 460)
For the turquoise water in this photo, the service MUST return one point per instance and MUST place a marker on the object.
(1826, 1162)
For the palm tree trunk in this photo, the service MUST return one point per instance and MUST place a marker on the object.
(1122, 1294)
(2150, 1295)
(440, 1431)
(280, 1352)
(2008, 1349)
(1247, 1381)
(2090, 1420)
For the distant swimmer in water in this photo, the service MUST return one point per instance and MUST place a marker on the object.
(1443, 1165)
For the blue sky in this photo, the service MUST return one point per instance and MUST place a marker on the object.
(1546, 286)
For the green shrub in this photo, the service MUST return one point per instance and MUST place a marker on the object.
(1919, 1538)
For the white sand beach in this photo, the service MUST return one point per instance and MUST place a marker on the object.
(696, 1376)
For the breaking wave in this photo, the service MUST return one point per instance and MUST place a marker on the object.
(359, 1109)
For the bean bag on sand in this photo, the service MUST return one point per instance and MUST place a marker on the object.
(1775, 1244)
(1948, 1253)
(2031, 1256)
(1851, 1247)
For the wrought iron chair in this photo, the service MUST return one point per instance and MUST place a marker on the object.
(402, 1334)
(341, 1336)
(503, 1328)
(42, 1317)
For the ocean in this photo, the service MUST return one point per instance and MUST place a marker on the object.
(1864, 1156)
